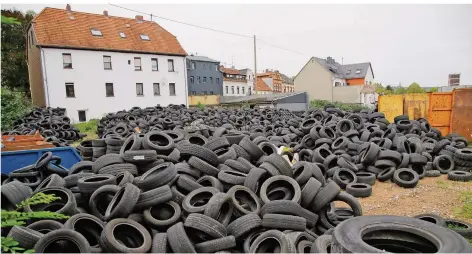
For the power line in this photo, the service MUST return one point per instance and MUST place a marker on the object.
(184, 23)
(210, 29)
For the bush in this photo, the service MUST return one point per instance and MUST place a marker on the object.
(14, 106)
(344, 106)
(90, 126)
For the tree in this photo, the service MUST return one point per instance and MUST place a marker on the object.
(400, 90)
(389, 88)
(415, 88)
(14, 68)
(433, 90)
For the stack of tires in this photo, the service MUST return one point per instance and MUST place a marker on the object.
(85, 149)
(99, 148)
(113, 144)
(166, 191)
(52, 124)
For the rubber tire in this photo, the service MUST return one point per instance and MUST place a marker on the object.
(461, 176)
(359, 190)
(123, 202)
(26, 237)
(244, 225)
(72, 224)
(285, 245)
(162, 224)
(112, 245)
(433, 218)
(178, 239)
(406, 183)
(283, 221)
(60, 235)
(45, 226)
(153, 197)
(296, 188)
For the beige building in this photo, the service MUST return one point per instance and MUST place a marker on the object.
(325, 79)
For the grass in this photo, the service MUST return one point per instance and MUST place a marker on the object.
(453, 226)
(89, 128)
(466, 210)
(442, 184)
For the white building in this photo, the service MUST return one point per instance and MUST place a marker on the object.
(94, 64)
(235, 82)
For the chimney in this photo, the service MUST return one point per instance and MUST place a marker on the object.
(139, 18)
(329, 59)
(68, 9)
(105, 13)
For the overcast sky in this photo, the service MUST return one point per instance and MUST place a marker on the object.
(404, 43)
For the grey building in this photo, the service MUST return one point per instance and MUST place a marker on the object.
(204, 76)
(296, 101)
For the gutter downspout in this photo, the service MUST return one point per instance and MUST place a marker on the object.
(45, 77)
(186, 81)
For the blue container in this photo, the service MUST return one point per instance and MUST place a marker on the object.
(17, 159)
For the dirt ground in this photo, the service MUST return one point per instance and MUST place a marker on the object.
(432, 195)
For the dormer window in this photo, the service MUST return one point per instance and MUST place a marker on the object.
(144, 37)
(348, 72)
(95, 32)
(358, 71)
(122, 35)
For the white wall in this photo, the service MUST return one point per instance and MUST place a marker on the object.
(250, 80)
(369, 77)
(89, 78)
(340, 80)
(368, 99)
(236, 85)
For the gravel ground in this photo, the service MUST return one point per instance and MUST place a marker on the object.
(431, 195)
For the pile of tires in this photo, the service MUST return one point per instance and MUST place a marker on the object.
(211, 191)
(52, 124)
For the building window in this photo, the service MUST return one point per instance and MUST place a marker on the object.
(337, 84)
(82, 116)
(198, 80)
(243, 89)
(193, 65)
(232, 89)
(348, 72)
(95, 32)
(358, 71)
(204, 80)
(193, 93)
(70, 93)
(191, 80)
(157, 89)
(211, 80)
(144, 37)
(237, 89)
(204, 66)
(211, 93)
(109, 90)
(217, 80)
(172, 89)
(216, 67)
(66, 61)
(154, 64)
(204, 92)
(122, 35)
(170, 64)
(139, 89)
(226, 89)
(107, 62)
(137, 63)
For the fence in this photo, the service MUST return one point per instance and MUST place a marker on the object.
(450, 112)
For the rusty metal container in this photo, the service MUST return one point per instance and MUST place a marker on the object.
(461, 114)
(440, 107)
(391, 106)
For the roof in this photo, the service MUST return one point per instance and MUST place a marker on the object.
(202, 59)
(56, 28)
(230, 71)
(286, 79)
(342, 71)
(261, 85)
(245, 71)
(260, 98)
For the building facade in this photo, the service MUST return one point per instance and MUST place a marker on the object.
(204, 76)
(287, 84)
(235, 82)
(325, 79)
(262, 87)
(94, 64)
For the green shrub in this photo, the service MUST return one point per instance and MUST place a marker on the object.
(90, 126)
(200, 105)
(344, 106)
(14, 106)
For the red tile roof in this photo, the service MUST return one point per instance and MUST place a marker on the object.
(261, 85)
(55, 28)
(230, 71)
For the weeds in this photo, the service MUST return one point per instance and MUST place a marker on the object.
(442, 184)
(344, 106)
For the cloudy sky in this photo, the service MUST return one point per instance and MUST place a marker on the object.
(404, 43)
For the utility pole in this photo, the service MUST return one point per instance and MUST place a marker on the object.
(255, 65)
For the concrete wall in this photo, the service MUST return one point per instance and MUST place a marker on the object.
(199, 71)
(230, 84)
(205, 100)
(450, 88)
(347, 94)
(315, 80)
(292, 106)
(89, 78)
